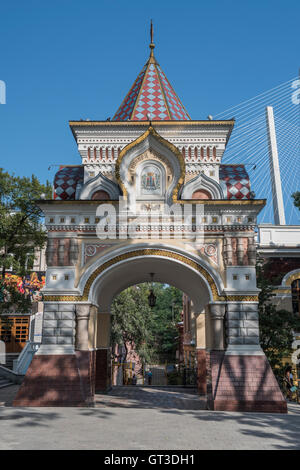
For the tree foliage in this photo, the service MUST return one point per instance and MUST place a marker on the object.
(152, 332)
(276, 326)
(165, 316)
(21, 232)
(296, 197)
(131, 317)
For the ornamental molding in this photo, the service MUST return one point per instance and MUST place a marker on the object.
(152, 252)
(149, 155)
(209, 249)
(290, 277)
(92, 249)
(200, 182)
(100, 182)
(148, 228)
(150, 132)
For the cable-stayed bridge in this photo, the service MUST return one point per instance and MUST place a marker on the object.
(249, 144)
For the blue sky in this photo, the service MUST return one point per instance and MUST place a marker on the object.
(68, 59)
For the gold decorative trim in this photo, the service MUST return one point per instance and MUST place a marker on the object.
(145, 252)
(166, 143)
(292, 278)
(157, 123)
(282, 291)
(62, 298)
(242, 298)
(152, 251)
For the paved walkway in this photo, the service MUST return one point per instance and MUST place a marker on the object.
(8, 394)
(158, 427)
(151, 397)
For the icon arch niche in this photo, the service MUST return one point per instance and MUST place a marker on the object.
(150, 168)
(151, 176)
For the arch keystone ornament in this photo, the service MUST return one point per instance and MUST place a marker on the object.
(151, 151)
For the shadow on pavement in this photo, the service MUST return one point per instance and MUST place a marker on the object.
(151, 398)
(267, 426)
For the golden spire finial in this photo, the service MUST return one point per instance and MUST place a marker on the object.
(152, 45)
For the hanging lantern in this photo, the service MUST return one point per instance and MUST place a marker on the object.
(151, 299)
(151, 296)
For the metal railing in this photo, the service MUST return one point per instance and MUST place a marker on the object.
(21, 364)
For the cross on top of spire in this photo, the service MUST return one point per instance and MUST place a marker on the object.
(152, 45)
(151, 97)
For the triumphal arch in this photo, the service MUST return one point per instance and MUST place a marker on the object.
(151, 197)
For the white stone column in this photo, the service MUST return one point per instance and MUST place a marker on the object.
(103, 330)
(240, 251)
(217, 313)
(82, 327)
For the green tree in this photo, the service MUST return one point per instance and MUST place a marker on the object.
(21, 233)
(296, 197)
(131, 318)
(165, 316)
(151, 331)
(276, 326)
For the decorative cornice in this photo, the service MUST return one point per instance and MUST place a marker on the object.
(229, 122)
(208, 202)
(171, 226)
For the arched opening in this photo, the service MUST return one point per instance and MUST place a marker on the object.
(100, 196)
(201, 330)
(201, 194)
(153, 337)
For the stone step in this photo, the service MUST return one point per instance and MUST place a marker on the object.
(10, 360)
(5, 382)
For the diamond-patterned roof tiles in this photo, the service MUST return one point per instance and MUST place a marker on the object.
(151, 97)
(235, 182)
(65, 182)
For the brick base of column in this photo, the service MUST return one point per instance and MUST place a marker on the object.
(243, 383)
(103, 370)
(59, 380)
(201, 371)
